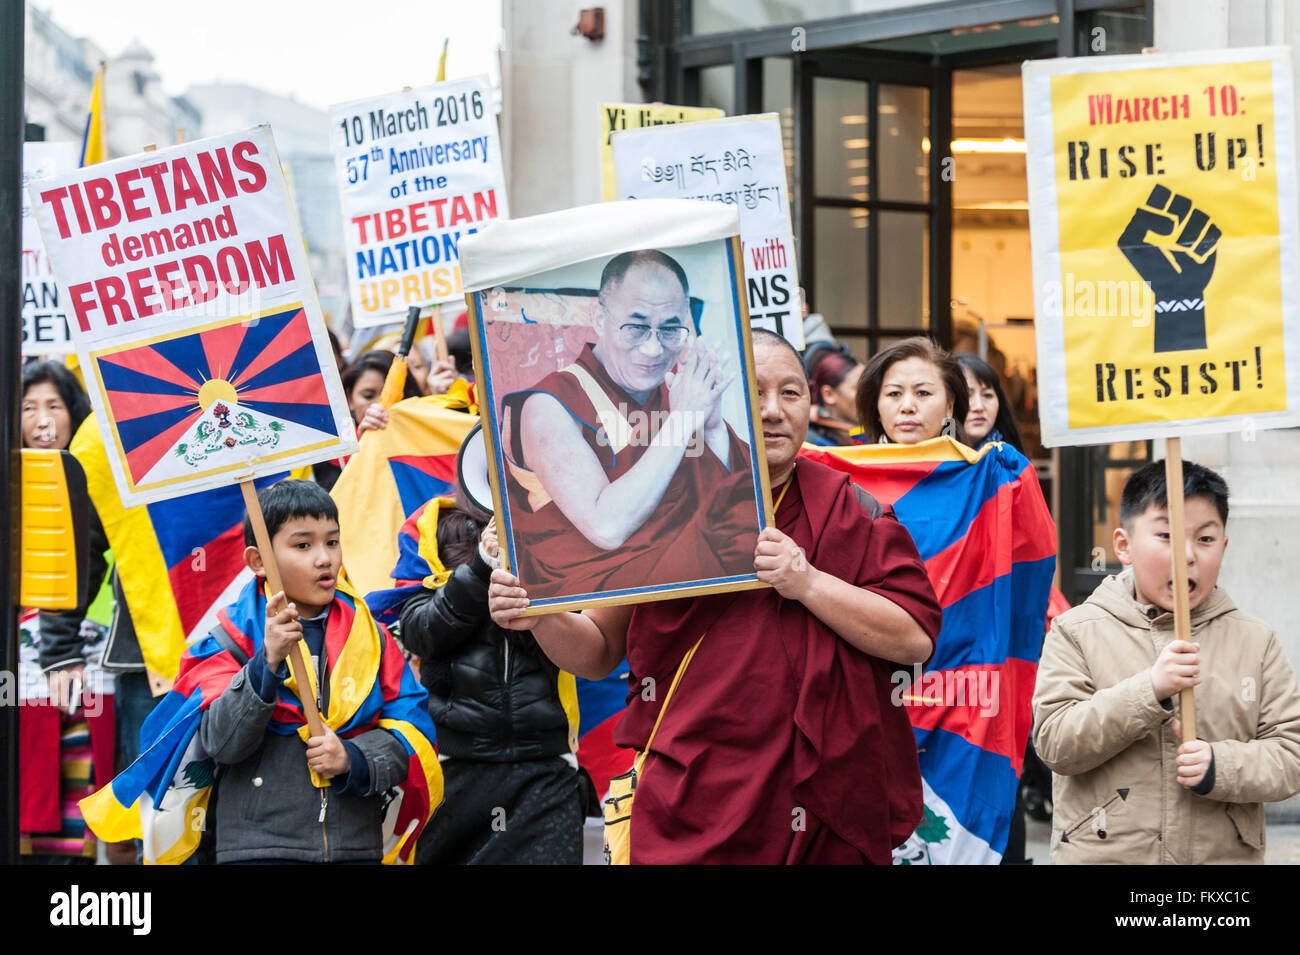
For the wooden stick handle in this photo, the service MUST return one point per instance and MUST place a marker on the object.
(1178, 546)
(439, 333)
(297, 663)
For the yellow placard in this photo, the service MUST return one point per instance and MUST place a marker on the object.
(1163, 220)
(618, 116)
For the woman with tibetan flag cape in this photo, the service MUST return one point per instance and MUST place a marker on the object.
(271, 805)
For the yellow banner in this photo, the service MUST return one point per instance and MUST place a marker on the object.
(618, 116)
(1163, 221)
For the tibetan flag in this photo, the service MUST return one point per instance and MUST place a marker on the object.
(989, 545)
(180, 560)
(602, 703)
(159, 797)
(214, 400)
(396, 471)
(418, 563)
(94, 144)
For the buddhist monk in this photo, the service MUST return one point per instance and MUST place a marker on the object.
(621, 471)
(780, 744)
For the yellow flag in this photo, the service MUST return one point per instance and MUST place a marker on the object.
(94, 145)
(442, 63)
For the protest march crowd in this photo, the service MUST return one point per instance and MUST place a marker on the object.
(812, 765)
(821, 629)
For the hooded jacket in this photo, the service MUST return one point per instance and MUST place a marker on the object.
(1112, 749)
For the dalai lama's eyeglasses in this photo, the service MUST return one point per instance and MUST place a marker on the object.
(670, 336)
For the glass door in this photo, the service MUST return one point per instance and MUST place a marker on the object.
(873, 181)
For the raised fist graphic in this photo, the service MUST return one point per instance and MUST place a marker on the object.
(1177, 275)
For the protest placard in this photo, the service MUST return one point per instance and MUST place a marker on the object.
(581, 322)
(1162, 211)
(45, 324)
(417, 170)
(194, 315)
(739, 161)
(619, 116)
(1162, 205)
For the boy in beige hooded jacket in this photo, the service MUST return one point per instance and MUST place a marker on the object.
(1125, 788)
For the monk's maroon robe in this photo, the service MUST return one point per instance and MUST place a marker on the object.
(781, 744)
(706, 525)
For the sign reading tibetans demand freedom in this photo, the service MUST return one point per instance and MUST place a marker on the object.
(738, 161)
(417, 171)
(45, 325)
(620, 116)
(185, 279)
(1162, 209)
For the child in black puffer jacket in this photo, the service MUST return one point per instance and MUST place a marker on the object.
(513, 792)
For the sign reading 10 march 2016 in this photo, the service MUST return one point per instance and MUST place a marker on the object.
(1162, 203)
(417, 171)
(194, 315)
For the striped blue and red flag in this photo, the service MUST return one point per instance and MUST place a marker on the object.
(602, 703)
(988, 542)
(192, 400)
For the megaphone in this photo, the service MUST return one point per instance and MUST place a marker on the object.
(472, 470)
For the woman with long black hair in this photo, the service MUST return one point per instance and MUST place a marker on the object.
(988, 416)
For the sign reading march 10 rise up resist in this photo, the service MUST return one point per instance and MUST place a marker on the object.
(1162, 204)
(194, 315)
(417, 171)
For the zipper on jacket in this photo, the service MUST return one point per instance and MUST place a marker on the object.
(505, 639)
(324, 802)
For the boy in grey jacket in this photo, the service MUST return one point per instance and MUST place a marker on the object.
(267, 807)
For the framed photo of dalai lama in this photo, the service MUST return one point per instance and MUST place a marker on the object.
(616, 388)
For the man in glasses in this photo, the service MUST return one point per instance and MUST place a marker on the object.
(622, 471)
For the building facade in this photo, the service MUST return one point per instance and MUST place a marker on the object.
(888, 244)
(59, 72)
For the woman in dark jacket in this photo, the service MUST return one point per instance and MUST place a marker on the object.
(512, 790)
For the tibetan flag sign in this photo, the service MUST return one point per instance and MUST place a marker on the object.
(194, 315)
(618, 116)
(739, 161)
(397, 471)
(984, 532)
(45, 323)
(417, 170)
(1162, 212)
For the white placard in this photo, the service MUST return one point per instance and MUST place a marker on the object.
(418, 170)
(45, 325)
(195, 319)
(739, 161)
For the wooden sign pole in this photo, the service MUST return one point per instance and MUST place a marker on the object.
(297, 664)
(158, 684)
(439, 334)
(1178, 545)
